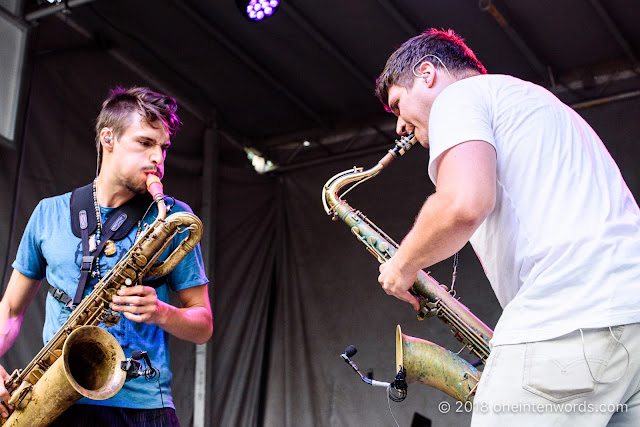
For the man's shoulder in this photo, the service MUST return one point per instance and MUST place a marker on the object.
(61, 201)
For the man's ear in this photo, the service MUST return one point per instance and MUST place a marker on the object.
(427, 72)
(106, 138)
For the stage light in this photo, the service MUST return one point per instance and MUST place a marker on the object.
(259, 163)
(257, 10)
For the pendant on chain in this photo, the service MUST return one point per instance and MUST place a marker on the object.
(109, 248)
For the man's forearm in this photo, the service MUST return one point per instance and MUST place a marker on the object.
(9, 328)
(440, 230)
(192, 324)
(17, 297)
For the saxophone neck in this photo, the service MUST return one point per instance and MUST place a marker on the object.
(162, 209)
(330, 197)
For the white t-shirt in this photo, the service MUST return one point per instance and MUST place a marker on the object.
(561, 248)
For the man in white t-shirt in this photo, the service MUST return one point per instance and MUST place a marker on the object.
(527, 181)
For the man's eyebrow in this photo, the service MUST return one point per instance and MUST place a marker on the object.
(149, 139)
(146, 138)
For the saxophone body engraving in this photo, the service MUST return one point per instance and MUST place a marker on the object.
(82, 359)
(425, 362)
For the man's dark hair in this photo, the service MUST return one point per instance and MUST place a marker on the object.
(153, 107)
(447, 46)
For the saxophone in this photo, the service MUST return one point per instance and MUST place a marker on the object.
(420, 361)
(83, 359)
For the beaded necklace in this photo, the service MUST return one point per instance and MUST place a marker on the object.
(96, 237)
(109, 247)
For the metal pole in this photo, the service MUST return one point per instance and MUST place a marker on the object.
(208, 206)
(531, 57)
(54, 8)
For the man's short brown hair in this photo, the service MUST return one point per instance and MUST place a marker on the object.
(447, 46)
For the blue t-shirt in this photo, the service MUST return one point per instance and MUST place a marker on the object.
(50, 249)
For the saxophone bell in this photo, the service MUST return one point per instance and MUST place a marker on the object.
(423, 362)
(88, 366)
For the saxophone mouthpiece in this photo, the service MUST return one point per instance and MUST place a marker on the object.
(154, 186)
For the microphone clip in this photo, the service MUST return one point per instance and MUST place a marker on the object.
(399, 385)
(134, 368)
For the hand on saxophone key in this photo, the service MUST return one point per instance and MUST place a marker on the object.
(5, 408)
(139, 304)
(397, 282)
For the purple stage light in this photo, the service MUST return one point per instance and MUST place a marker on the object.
(257, 10)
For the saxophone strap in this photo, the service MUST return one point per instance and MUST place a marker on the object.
(129, 213)
(116, 227)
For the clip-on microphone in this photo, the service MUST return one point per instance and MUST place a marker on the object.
(134, 368)
(399, 384)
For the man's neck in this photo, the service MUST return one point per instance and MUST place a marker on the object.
(110, 194)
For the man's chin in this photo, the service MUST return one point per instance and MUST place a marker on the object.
(137, 188)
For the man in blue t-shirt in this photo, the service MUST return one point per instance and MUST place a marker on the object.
(133, 134)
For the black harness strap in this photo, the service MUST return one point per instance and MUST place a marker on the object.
(82, 199)
(87, 259)
(117, 226)
(60, 296)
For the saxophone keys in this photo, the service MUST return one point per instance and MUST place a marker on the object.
(375, 254)
(35, 375)
(19, 395)
(52, 357)
(141, 260)
(355, 218)
(110, 320)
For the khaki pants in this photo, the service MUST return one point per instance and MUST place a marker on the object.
(548, 383)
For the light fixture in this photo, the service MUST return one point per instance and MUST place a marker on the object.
(259, 163)
(257, 10)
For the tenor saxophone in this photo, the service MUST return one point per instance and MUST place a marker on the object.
(82, 359)
(421, 361)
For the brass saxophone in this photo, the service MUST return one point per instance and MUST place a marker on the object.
(423, 361)
(83, 359)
